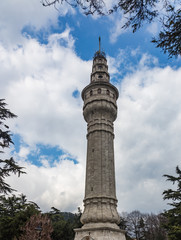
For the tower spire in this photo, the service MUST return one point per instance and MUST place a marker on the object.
(100, 53)
(99, 44)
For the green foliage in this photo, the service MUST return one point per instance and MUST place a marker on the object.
(88, 6)
(173, 215)
(122, 223)
(19, 219)
(14, 212)
(139, 11)
(63, 224)
(169, 38)
(7, 166)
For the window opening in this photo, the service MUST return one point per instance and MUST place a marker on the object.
(99, 90)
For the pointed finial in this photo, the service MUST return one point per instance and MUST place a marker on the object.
(100, 53)
(99, 44)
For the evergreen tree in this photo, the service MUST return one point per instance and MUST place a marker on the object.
(173, 215)
(14, 212)
(63, 224)
(7, 166)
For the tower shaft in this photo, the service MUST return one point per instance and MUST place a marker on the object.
(100, 217)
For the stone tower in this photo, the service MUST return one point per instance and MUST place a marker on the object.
(100, 217)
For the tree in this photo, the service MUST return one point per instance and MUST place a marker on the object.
(58, 223)
(63, 224)
(37, 227)
(14, 212)
(22, 220)
(77, 223)
(169, 38)
(173, 215)
(136, 13)
(154, 227)
(144, 226)
(135, 224)
(7, 166)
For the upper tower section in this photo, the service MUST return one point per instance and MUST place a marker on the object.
(100, 95)
(100, 67)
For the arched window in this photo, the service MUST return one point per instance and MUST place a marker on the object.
(108, 92)
(99, 90)
(91, 92)
(87, 238)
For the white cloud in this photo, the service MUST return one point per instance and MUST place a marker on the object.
(60, 37)
(23, 152)
(37, 83)
(148, 136)
(40, 91)
(114, 63)
(153, 28)
(57, 186)
(118, 21)
(146, 60)
(16, 14)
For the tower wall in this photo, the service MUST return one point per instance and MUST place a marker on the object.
(100, 217)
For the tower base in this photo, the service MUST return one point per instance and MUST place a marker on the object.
(99, 233)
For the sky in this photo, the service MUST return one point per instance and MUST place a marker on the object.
(45, 62)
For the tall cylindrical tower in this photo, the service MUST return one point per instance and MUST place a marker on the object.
(100, 216)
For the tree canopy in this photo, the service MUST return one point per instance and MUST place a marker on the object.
(22, 219)
(7, 166)
(37, 227)
(144, 226)
(138, 12)
(173, 215)
(14, 212)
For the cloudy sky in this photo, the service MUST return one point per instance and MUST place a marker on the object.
(45, 62)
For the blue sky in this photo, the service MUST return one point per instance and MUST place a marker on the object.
(45, 62)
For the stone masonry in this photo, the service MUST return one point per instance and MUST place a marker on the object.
(100, 217)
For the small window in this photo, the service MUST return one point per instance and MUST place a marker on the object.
(108, 92)
(100, 67)
(99, 90)
(91, 93)
(100, 76)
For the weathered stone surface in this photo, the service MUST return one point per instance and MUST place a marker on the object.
(99, 233)
(100, 217)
